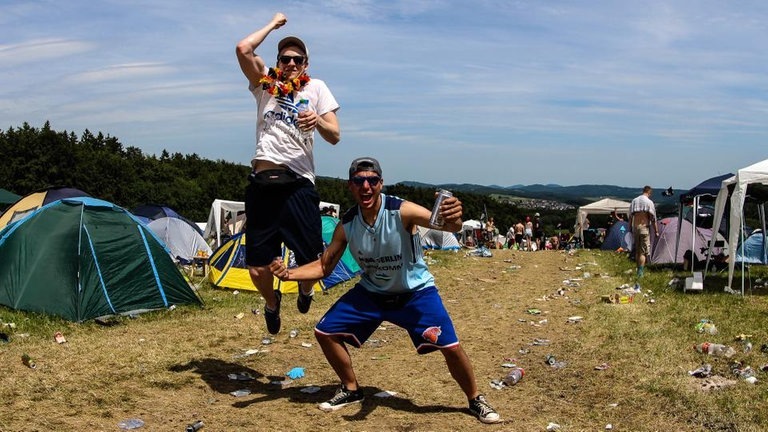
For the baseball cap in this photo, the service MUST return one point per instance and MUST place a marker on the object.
(292, 41)
(537, 215)
(364, 164)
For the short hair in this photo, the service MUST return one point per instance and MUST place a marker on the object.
(646, 189)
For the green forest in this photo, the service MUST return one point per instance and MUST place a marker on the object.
(38, 158)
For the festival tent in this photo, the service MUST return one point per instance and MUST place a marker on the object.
(229, 270)
(7, 197)
(754, 250)
(675, 239)
(469, 229)
(749, 183)
(225, 218)
(35, 200)
(347, 268)
(699, 215)
(616, 237)
(83, 258)
(149, 212)
(183, 241)
(603, 206)
(437, 239)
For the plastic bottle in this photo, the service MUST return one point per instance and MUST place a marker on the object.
(302, 106)
(713, 349)
(131, 424)
(514, 376)
(702, 348)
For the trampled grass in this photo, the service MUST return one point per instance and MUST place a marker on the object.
(170, 368)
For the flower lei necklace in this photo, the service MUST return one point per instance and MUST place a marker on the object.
(277, 85)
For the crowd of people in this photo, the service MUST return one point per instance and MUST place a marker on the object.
(527, 234)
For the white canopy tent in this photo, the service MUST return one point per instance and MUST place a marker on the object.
(223, 219)
(468, 230)
(741, 183)
(603, 206)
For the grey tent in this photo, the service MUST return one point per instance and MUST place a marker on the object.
(183, 241)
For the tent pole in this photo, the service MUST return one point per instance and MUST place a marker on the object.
(693, 232)
(762, 219)
(680, 209)
(741, 240)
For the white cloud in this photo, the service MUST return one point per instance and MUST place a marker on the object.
(40, 51)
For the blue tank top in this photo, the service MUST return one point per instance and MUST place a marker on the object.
(390, 256)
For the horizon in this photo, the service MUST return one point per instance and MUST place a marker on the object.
(606, 92)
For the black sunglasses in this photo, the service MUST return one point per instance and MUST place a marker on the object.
(285, 59)
(360, 180)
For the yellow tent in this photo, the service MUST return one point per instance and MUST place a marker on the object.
(25, 206)
(228, 268)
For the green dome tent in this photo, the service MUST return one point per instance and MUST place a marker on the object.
(83, 258)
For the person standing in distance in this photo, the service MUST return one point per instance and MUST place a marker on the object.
(396, 286)
(642, 213)
(281, 203)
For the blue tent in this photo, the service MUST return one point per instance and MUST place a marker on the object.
(709, 188)
(617, 237)
(753, 250)
(149, 212)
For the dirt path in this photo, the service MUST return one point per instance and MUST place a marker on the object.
(170, 372)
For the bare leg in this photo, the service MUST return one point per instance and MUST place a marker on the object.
(263, 279)
(461, 370)
(338, 357)
(640, 259)
(306, 286)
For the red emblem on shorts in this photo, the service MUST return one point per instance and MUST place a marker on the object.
(431, 334)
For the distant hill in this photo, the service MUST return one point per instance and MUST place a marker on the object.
(575, 195)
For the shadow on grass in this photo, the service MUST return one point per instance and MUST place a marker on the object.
(215, 373)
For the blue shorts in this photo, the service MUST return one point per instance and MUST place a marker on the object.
(286, 212)
(358, 313)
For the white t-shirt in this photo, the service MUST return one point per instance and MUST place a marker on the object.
(278, 139)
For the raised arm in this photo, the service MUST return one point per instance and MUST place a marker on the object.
(414, 214)
(251, 63)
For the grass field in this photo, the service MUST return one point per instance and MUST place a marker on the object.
(624, 365)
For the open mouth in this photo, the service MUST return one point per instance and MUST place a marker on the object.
(366, 199)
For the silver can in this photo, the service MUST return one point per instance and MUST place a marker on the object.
(436, 220)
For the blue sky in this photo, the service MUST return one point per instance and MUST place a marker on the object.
(488, 92)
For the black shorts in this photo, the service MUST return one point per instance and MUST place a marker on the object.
(281, 207)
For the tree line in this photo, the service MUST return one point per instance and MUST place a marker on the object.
(38, 158)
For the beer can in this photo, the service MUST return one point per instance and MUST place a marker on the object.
(436, 220)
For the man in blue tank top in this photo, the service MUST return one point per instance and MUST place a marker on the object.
(396, 286)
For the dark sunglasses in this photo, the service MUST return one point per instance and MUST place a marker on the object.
(298, 60)
(360, 180)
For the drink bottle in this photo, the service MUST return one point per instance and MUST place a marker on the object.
(514, 376)
(713, 349)
(302, 106)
